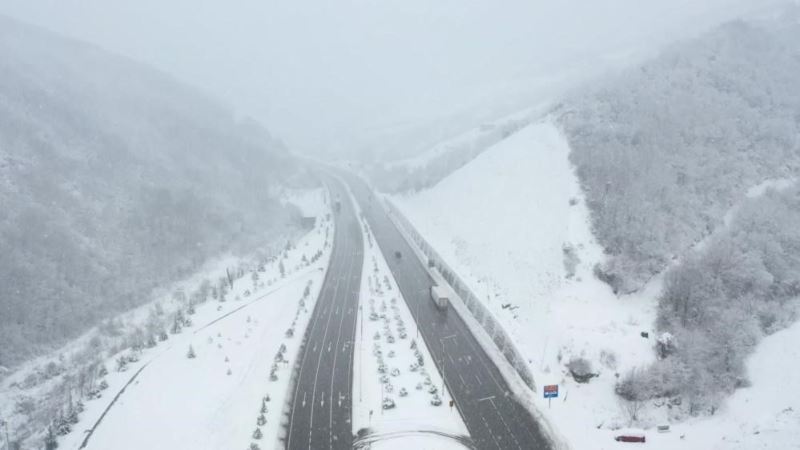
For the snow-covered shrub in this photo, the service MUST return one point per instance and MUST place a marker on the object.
(665, 345)
(571, 259)
(581, 369)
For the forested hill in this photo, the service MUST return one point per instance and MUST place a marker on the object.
(700, 146)
(114, 179)
(665, 150)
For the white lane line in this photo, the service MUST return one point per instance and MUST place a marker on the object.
(335, 256)
(500, 416)
(351, 267)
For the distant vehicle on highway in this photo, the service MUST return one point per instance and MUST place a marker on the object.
(337, 204)
(398, 254)
(439, 297)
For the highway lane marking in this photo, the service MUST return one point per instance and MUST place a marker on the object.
(336, 256)
(500, 416)
(489, 432)
(341, 259)
(352, 266)
(319, 363)
(461, 378)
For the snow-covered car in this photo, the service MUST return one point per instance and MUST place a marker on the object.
(390, 354)
(382, 368)
(384, 379)
(432, 389)
(403, 392)
(436, 401)
(388, 387)
(419, 386)
(388, 403)
(413, 367)
(390, 339)
(395, 372)
(373, 316)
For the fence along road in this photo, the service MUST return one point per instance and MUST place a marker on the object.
(495, 420)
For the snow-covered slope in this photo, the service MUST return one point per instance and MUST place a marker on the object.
(510, 222)
(154, 395)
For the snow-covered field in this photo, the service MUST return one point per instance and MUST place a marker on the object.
(167, 399)
(472, 140)
(513, 223)
(386, 363)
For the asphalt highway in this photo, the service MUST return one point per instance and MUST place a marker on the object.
(321, 412)
(494, 419)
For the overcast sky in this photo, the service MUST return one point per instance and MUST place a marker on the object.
(326, 73)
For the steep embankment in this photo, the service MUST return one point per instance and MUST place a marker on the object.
(667, 155)
(114, 178)
(514, 224)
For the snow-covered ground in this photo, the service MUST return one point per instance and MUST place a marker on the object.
(514, 224)
(387, 366)
(503, 222)
(764, 416)
(474, 139)
(165, 399)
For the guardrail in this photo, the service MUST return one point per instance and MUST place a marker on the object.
(476, 307)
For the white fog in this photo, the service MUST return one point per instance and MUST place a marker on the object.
(381, 225)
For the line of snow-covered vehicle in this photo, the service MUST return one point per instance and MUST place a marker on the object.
(387, 374)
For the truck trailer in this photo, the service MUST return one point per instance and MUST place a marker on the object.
(439, 297)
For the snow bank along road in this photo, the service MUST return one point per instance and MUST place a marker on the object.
(321, 411)
(493, 417)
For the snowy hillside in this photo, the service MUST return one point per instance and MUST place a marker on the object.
(431, 166)
(515, 225)
(204, 366)
(115, 179)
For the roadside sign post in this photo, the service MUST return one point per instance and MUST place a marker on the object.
(550, 392)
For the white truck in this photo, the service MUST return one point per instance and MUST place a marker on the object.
(439, 297)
